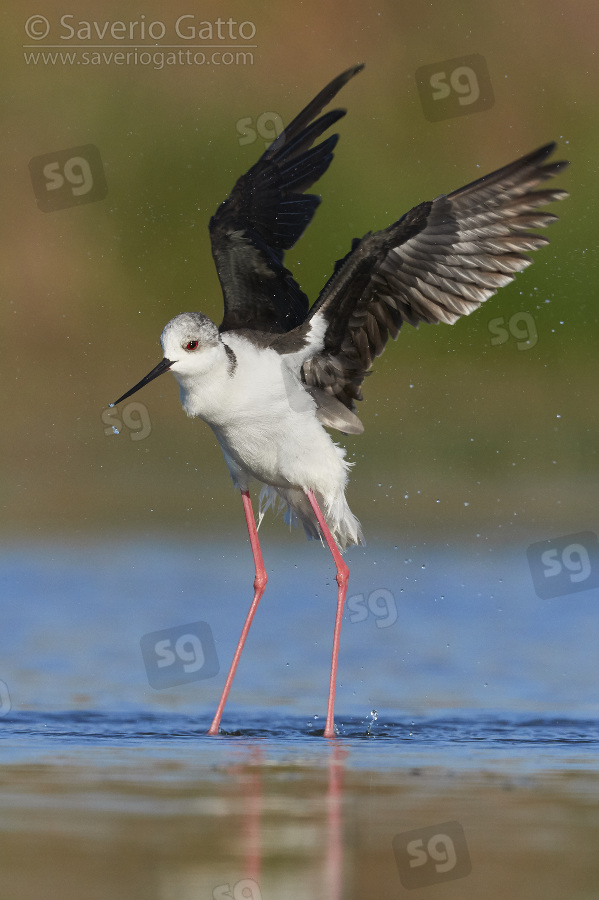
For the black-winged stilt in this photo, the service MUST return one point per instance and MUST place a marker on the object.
(277, 370)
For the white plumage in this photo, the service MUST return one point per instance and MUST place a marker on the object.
(264, 420)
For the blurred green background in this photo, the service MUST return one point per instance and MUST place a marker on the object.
(464, 439)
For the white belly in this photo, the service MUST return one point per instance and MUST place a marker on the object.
(284, 451)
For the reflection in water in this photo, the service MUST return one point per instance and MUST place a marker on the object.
(249, 776)
(147, 807)
(329, 817)
(334, 858)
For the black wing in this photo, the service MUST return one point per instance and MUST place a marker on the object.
(265, 214)
(438, 262)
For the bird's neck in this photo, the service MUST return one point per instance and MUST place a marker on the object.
(203, 392)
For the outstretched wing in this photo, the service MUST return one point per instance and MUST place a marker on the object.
(438, 262)
(265, 214)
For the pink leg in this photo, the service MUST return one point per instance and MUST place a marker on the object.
(259, 585)
(342, 580)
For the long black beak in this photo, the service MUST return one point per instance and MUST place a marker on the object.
(162, 366)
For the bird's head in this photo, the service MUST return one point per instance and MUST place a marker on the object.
(191, 345)
(190, 342)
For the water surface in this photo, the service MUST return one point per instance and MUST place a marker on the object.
(484, 742)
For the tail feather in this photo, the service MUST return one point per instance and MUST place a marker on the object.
(343, 525)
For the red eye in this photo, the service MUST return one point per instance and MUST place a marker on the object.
(192, 345)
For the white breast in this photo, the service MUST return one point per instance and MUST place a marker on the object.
(264, 420)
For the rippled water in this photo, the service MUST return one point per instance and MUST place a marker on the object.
(450, 739)
(82, 728)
